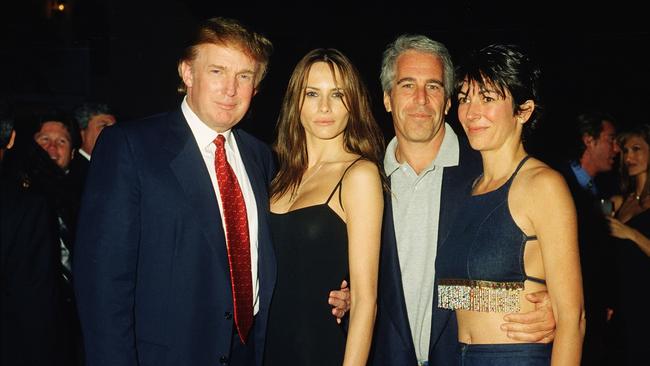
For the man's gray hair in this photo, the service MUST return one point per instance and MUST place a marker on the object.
(418, 43)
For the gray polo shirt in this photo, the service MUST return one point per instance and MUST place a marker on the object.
(416, 208)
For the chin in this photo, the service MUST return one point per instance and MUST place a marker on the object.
(476, 144)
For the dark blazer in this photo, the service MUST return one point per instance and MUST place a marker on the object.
(393, 344)
(595, 245)
(151, 270)
(29, 280)
(78, 170)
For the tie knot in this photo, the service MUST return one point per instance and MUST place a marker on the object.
(219, 141)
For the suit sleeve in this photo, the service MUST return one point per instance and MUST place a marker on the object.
(106, 252)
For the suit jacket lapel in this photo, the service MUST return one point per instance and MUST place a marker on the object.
(189, 168)
(392, 290)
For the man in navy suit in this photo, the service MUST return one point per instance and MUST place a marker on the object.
(428, 166)
(152, 274)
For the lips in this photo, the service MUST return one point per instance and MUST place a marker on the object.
(226, 106)
(476, 129)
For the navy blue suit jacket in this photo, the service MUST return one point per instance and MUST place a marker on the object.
(393, 343)
(151, 268)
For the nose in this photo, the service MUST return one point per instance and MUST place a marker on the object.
(627, 157)
(473, 111)
(230, 86)
(49, 146)
(324, 105)
(421, 96)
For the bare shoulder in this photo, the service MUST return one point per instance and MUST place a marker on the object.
(541, 197)
(538, 178)
(362, 172)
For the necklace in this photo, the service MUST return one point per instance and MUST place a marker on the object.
(296, 193)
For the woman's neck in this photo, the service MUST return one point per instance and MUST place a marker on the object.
(639, 185)
(498, 164)
(323, 151)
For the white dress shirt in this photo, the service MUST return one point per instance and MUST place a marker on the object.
(205, 137)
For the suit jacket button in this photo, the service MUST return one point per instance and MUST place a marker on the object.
(223, 360)
(227, 315)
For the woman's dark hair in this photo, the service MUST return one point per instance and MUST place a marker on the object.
(506, 69)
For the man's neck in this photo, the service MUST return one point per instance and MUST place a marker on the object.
(419, 155)
(588, 166)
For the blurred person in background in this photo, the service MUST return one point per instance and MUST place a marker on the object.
(630, 225)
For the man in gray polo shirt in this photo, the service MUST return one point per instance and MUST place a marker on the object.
(427, 165)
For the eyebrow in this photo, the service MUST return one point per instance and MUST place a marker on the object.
(315, 88)
(220, 67)
(482, 90)
(412, 79)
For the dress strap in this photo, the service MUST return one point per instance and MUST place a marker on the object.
(514, 174)
(339, 184)
(521, 163)
(535, 279)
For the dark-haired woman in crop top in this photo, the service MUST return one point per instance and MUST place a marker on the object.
(516, 233)
(326, 204)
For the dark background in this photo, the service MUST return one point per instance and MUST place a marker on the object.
(125, 52)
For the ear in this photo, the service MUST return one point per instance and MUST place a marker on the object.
(447, 106)
(587, 139)
(185, 71)
(525, 111)
(387, 102)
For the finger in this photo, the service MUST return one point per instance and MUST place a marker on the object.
(339, 314)
(337, 303)
(344, 285)
(528, 318)
(338, 295)
(548, 339)
(525, 328)
(536, 297)
(536, 337)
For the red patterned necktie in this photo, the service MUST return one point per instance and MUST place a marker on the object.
(237, 240)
